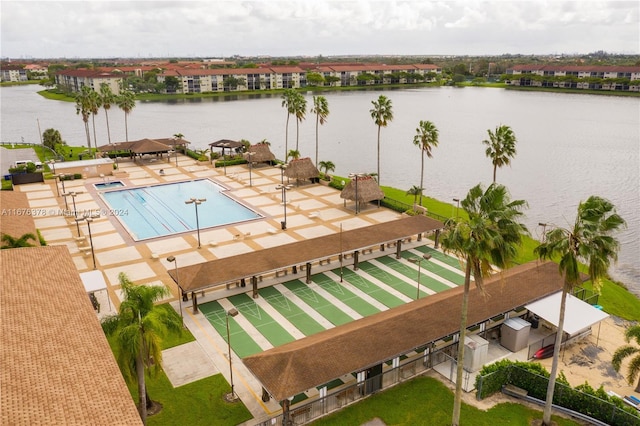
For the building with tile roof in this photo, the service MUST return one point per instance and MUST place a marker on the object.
(57, 367)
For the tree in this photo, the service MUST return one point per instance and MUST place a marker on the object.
(491, 235)
(288, 99)
(95, 103)
(501, 147)
(23, 241)
(622, 352)
(138, 329)
(315, 79)
(126, 101)
(294, 154)
(426, 139)
(300, 110)
(83, 109)
(108, 99)
(321, 110)
(51, 138)
(382, 114)
(590, 241)
(415, 191)
(327, 166)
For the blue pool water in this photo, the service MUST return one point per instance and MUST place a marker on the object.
(157, 211)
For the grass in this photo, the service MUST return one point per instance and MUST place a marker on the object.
(425, 400)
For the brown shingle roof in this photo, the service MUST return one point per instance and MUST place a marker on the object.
(57, 367)
(315, 360)
(230, 269)
(15, 221)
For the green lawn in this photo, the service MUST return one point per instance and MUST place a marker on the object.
(426, 401)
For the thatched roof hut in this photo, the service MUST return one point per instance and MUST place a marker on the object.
(301, 168)
(259, 153)
(368, 190)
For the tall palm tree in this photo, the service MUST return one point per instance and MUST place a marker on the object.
(501, 147)
(416, 191)
(321, 110)
(126, 101)
(590, 241)
(382, 114)
(491, 235)
(300, 110)
(622, 352)
(108, 99)
(288, 101)
(83, 109)
(95, 103)
(23, 241)
(426, 139)
(138, 328)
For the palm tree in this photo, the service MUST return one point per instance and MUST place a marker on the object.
(288, 100)
(426, 139)
(590, 241)
(621, 353)
(321, 110)
(491, 235)
(84, 110)
(137, 329)
(23, 241)
(501, 147)
(415, 191)
(382, 114)
(95, 103)
(327, 166)
(294, 154)
(300, 110)
(108, 99)
(126, 101)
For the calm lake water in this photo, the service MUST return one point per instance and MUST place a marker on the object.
(569, 146)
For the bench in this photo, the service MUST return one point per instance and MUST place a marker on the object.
(514, 391)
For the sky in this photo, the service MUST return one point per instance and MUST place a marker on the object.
(217, 28)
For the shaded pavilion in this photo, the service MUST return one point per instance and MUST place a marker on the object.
(298, 366)
(138, 148)
(224, 144)
(302, 169)
(362, 189)
(207, 275)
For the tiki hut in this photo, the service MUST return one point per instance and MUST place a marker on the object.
(301, 169)
(364, 188)
(259, 153)
(138, 148)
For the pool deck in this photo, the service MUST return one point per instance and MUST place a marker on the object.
(313, 210)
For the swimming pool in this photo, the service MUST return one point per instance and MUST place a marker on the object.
(160, 210)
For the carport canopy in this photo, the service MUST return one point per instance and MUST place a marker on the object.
(578, 316)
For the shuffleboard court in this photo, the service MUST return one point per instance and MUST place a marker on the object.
(391, 280)
(452, 279)
(436, 254)
(265, 324)
(241, 342)
(292, 312)
(317, 302)
(346, 296)
(369, 288)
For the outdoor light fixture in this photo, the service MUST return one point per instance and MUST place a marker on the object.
(175, 261)
(284, 189)
(196, 202)
(544, 231)
(73, 196)
(87, 218)
(356, 176)
(457, 200)
(232, 396)
(250, 154)
(419, 261)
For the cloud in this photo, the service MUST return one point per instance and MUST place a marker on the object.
(302, 27)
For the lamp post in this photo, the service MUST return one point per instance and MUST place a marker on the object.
(544, 231)
(250, 155)
(230, 313)
(457, 200)
(88, 219)
(175, 261)
(419, 260)
(356, 176)
(196, 202)
(73, 195)
(284, 189)
(282, 168)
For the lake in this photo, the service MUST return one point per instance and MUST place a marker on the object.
(569, 146)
